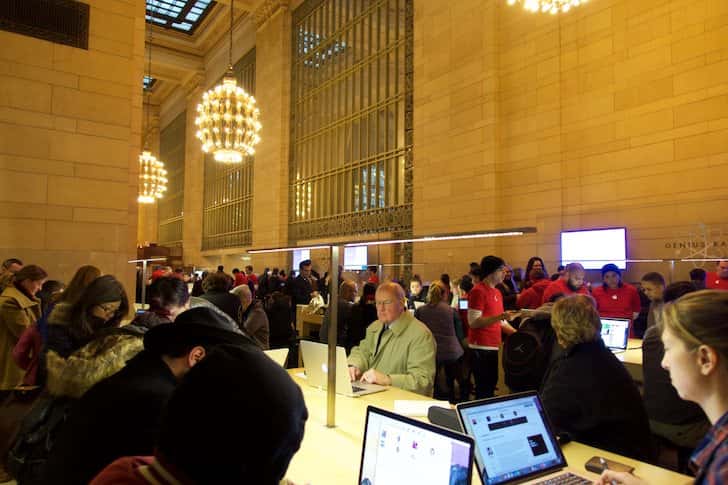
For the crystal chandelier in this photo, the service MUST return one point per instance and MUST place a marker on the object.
(551, 6)
(152, 175)
(227, 118)
(152, 178)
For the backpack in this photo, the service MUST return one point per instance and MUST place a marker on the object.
(34, 442)
(527, 353)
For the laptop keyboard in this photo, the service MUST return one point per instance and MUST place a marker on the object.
(356, 388)
(566, 479)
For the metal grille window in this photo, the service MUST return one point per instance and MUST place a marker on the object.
(351, 140)
(171, 206)
(228, 199)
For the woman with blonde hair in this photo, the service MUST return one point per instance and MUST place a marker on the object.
(586, 391)
(694, 330)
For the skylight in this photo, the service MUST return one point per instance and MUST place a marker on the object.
(180, 15)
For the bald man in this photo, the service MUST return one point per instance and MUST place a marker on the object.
(398, 350)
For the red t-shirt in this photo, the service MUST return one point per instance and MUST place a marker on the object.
(374, 279)
(252, 278)
(712, 282)
(560, 286)
(620, 302)
(532, 296)
(489, 302)
(240, 279)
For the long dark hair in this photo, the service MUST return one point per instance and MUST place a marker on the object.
(103, 289)
(529, 266)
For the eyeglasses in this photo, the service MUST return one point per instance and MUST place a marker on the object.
(109, 307)
(383, 302)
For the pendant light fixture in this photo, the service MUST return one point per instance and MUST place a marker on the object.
(227, 118)
(551, 6)
(152, 175)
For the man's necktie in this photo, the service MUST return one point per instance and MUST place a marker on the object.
(379, 340)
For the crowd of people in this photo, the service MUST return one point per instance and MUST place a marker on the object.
(113, 389)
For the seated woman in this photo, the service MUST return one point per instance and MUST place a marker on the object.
(694, 330)
(587, 392)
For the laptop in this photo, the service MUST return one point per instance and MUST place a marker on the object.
(398, 450)
(418, 304)
(315, 361)
(514, 441)
(615, 333)
(278, 355)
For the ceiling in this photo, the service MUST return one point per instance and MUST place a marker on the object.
(183, 33)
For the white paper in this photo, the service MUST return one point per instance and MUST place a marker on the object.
(417, 408)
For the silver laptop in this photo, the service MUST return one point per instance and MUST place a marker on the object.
(315, 361)
(514, 441)
(399, 450)
(615, 333)
(278, 355)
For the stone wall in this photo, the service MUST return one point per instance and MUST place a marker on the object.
(70, 135)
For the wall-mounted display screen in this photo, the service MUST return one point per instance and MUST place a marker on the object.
(595, 248)
(355, 257)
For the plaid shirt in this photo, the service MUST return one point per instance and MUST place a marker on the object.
(710, 458)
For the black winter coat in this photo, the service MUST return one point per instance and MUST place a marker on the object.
(225, 301)
(589, 394)
(118, 416)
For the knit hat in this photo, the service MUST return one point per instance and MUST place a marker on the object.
(610, 267)
(491, 264)
(237, 417)
(196, 326)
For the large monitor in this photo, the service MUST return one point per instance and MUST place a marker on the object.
(298, 256)
(595, 248)
(355, 257)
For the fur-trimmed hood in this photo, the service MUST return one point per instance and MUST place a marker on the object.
(97, 360)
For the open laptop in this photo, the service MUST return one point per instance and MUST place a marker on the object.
(398, 450)
(514, 441)
(278, 355)
(418, 304)
(315, 360)
(615, 333)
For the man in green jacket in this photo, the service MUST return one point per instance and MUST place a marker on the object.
(397, 350)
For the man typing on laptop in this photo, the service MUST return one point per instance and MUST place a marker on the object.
(397, 350)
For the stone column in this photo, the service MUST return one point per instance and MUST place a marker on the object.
(273, 94)
(194, 178)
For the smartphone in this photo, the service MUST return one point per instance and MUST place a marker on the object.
(463, 304)
(596, 464)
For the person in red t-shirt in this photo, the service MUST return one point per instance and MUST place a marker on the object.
(252, 277)
(615, 298)
(487, 319)
(373, 277)
(532, 296)
(571, 283)
(718, 280)
(240, 278)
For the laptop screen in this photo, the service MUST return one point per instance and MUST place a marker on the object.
(399, 450)
(513, 439)
(615, 332)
